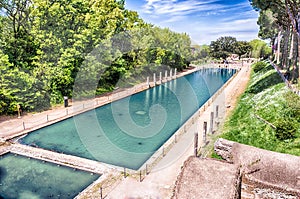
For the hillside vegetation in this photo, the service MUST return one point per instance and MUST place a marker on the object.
(267, 115)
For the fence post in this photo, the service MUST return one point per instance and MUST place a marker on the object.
(101, 196)
(196, 144)
(170, 73)
(124, 172)
(204, 132)
(154, 79)
(140, 175)
(24, 125)
(47, 118)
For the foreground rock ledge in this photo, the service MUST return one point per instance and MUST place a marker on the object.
(265, 173)
(207, 179)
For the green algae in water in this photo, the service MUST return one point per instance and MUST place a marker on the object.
(23, 178)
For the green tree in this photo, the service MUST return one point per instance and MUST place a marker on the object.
(19, 87)
(19, 44)
(242, 48)
(223, 47)
(204, 51)
(48, 45)
(267, 25)
(281, 18)
(260, 49)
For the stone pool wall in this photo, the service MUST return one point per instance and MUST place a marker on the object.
(192, 123)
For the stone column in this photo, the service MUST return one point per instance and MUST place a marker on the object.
(160, 77)
(148, 83)
(211, 122)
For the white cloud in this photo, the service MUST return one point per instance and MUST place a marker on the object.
(203, 20)
(174, 19)
(242, 29)
(175, 7)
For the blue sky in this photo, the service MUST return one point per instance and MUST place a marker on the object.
(203, 20)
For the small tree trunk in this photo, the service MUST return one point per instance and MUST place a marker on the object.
(298, 34)
(278, 47)
(285, 49)
(292, 46)
(292, 55)
(298, 58)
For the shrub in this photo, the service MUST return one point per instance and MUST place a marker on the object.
(216, 156)
(292, 105)
(259, 66)
(285, 129)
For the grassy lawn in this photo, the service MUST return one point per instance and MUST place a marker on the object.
(267, 115)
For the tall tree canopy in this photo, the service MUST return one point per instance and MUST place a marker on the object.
(226, 46)
(223, 47)
(43, 45)
(279, 21)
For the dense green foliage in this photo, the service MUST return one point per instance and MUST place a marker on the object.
(260, 49)
(266, 104)
(279, 22)
(223, 47)
(45, 44)
(226, 46)
(242, 48)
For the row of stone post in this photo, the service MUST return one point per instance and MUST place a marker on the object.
(213, 116)
(160, 77)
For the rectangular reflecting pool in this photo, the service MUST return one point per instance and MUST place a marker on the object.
(24, 178)
(127, 132)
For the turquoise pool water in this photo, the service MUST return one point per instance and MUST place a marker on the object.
(127, 132)
(24, 178)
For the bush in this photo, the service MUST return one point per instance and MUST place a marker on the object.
(216, 156)
(292, 105)
(285, 130)
(259, 66)
(262, 66)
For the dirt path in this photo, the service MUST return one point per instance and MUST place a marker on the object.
(239, 86)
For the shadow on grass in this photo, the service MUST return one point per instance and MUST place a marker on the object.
(265, 83)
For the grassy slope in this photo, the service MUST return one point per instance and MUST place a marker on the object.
(268, 98)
